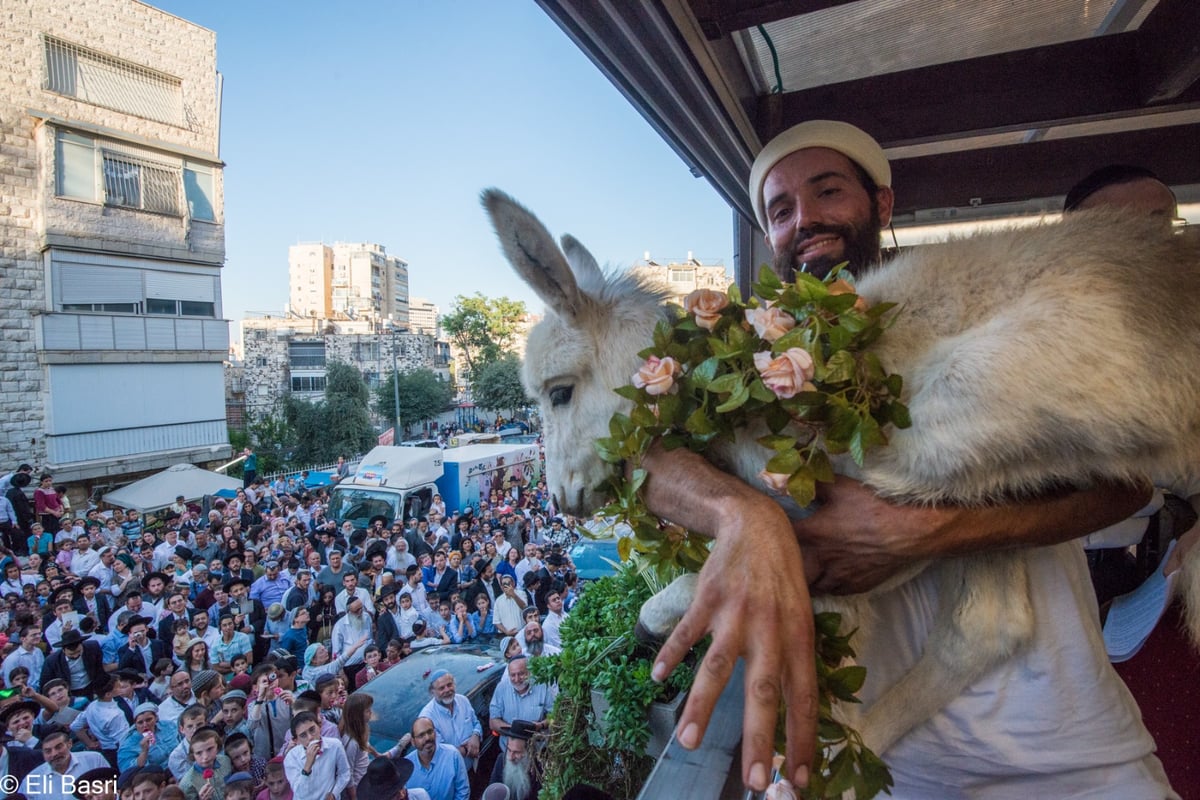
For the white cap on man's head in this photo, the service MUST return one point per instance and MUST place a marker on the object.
(854, 143)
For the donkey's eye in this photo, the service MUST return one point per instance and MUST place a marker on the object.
(561, 395)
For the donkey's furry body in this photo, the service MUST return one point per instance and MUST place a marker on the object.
(1055, 355)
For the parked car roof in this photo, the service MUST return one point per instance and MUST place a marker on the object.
(594, 558)
(401, 691)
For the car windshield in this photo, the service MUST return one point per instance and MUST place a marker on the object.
(360, 505)
(403, 690)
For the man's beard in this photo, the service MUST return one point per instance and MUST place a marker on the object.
(534, 648)
(516, 778)
(860, 248)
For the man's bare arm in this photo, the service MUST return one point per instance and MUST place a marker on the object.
(857, 540)
(853, 543)
(751, 574)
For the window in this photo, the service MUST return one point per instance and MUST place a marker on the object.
(682, 275)
(140, 183)
(103, 80)
(306, 355)
(119, 174)
(308, 383)
(198, 188)
(85, 283)
(180, 308)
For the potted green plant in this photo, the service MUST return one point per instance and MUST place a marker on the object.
(610, 721)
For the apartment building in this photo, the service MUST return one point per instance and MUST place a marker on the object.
(113, 241)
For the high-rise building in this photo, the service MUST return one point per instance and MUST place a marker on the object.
(348, 281)
(423, 317)
(113, 239)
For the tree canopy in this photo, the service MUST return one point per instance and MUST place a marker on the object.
(483, 328)
(496, 386)
(422, 396)
(337, 425)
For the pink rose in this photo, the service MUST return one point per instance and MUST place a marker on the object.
(786, 374)
(774, 481)
(706, 305)
(770, 322)
(657, 376)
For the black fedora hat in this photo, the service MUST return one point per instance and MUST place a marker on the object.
(384, 777)
(134, 620)
(22, 705)
(72, 637)
(161, 576)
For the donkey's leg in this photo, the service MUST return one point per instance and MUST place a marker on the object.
(985, 619)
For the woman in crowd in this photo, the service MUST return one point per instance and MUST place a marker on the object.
(322, 615)
(355, 731)
(195, 657)
(509, 565)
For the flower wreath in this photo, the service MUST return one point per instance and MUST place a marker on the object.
(795, 357)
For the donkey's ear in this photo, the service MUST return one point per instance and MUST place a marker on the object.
(534, 255)
(587, 271)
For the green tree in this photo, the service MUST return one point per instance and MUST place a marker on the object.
(340, 424)
(484, 328)
(271, 437)
(496, 386)
(422, 396)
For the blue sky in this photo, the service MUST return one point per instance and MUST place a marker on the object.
(383, 121)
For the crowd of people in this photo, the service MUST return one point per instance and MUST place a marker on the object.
(220, 655)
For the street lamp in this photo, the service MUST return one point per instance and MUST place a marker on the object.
(396, 435)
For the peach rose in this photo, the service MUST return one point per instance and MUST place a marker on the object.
(774, 481)
(842, 286)
(657, 376)
(706, 305)
(786, 374)
(770, 322)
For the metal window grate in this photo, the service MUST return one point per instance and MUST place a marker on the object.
(112, 82)
(140, 183)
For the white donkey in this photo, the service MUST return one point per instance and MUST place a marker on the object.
(1055, 355)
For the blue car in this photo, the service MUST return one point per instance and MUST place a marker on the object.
(401, 691)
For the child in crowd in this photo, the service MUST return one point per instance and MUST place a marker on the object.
(278, 787)
(206, 780)
(239, 786)
(237, 747)
(374, 665)
(233, 715)
(190, 721)
(239, 666)
(182, 637)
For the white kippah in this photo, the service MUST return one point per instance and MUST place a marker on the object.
(854, 143)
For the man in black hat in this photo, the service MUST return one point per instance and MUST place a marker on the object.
(153, 586)
(80, 663)
(90, 602)
(141, 652)
(517, 772)
(17, 719)
(386, 779)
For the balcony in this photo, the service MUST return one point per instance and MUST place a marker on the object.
(83, 335)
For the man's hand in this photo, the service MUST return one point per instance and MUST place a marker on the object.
(752, 599)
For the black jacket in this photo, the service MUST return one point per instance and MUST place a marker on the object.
(56, 665)
(131, 658)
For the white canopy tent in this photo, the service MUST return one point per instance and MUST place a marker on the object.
(160, 490)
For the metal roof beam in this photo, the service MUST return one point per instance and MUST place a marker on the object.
(1040, 87)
